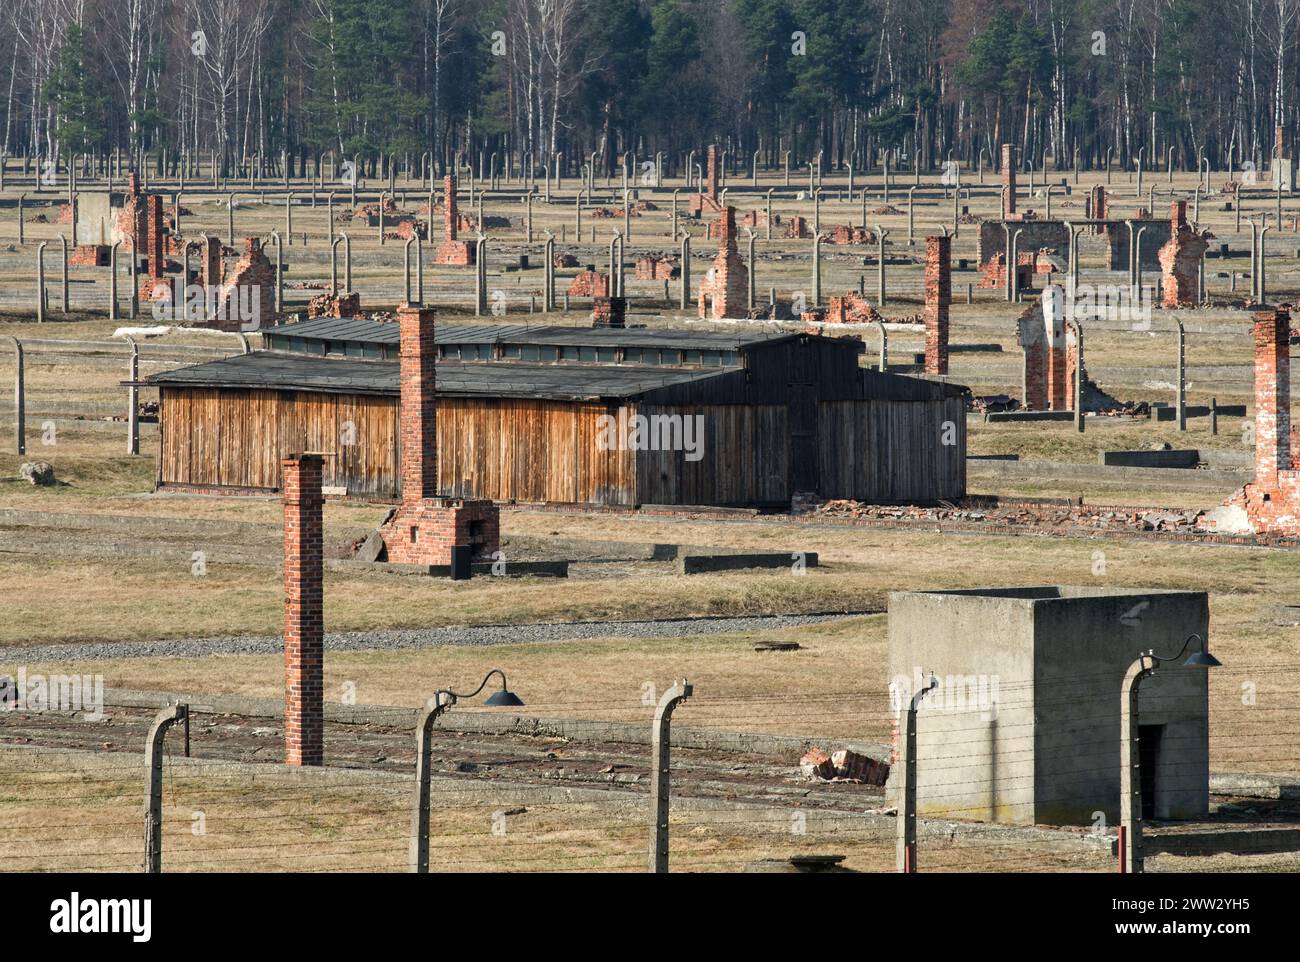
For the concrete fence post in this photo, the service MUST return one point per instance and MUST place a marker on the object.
(153, 760)
(480, 276)
(1180, 382)
(1078, 375)
(906, 845)
(63, 241)
(419, 843)
(884, 347)
(40, 282)
(20, 401)
(881, 234)
(660, 755)
(133, 400)
(685, 277)
(112, 281)
(1130, 786)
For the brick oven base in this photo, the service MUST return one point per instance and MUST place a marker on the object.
(424, 532)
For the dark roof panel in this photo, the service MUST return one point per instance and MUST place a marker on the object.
(271, 370)
(379, 332)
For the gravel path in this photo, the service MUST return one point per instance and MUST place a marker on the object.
(399, 638)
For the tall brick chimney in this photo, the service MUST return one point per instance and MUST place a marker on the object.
(713, 172)
(450, 213)
(418, 356)
(425, 527)
(1177, 215)
(304, 631)
(938, 299)
(1009, 177)
(1272, 395)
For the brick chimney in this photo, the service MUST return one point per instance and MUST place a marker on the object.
(304, 632)
(425, 527)
(1009, 178)
(938, 299)
(450, 212)
(1272, 395)
(713, 172)
(418, 356)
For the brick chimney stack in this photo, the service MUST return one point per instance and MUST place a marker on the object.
(450, 213)
(418, 361)
(938, 299)
(713, 172)
(1272, 395)
(304, 631)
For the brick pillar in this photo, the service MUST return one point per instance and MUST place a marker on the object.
(1097, 205)
(154, 231)
(418, 359)
(304, 631)
(938, 298)
(713, 172)
(1009, 176)
(450, 213)
(1177, 215)
(1272, 395)
(211, 263)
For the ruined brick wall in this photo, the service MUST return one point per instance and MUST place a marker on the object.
(1097, 206)
(1035, 235)
(1271, 503)
(1048, 362)
(661, 268)
(726, 293)
(249, 283)
(304, 630)
(1180, 260)
(938, 299)
(852, 308)
(342, 305)
(798, 228)
(590, 284)
(609, 312)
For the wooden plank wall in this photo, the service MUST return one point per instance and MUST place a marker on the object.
(892, 451)
(530, 450)
(235, 438)
(746, 458)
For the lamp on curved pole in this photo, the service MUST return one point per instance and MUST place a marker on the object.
(442, 699)
(1130, 840)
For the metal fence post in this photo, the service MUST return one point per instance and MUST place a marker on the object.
(419, 853)
(660, 752)
(906, 852)
(153, 783)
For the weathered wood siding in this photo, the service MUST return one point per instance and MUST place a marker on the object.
(892, 451)
(746, 458)
(530, 450)
(235, 438)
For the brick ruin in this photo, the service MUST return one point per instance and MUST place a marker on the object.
(1048, 361)
(1180, 259)
(852, 308)
(938, 300)
(1271, 503)
(609, 312)
(1096, 207)
(847, 234)
(708, 202)
(661, 268)
(452, 252)
(725, 293)
(340, 305)
(248, 286)
(304, 629)
(798, 228)
(424, 527)
(590, 284)
(155, 286)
